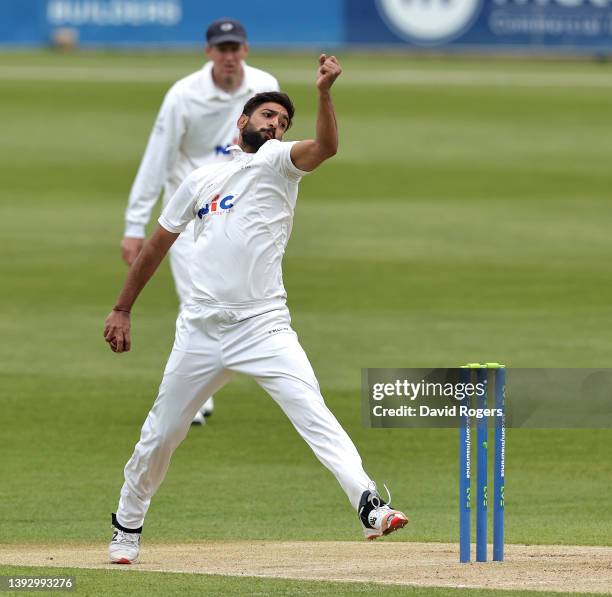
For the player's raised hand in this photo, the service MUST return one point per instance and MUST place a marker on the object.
(329, 71)
(117, 331)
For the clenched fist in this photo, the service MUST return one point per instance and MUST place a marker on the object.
(329, 71)
(117, 331)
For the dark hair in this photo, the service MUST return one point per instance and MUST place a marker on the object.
(270, 96)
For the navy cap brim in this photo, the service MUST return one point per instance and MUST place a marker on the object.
(227, 38)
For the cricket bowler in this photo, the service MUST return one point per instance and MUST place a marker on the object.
(236, 319)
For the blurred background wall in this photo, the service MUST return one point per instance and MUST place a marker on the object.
(575, 26)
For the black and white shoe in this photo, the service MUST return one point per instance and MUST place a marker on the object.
(208, 407)
(377, 517)
(206, 411)
(125, 544)
(198, 419)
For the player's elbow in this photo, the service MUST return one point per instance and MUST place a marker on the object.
(332, 151)
(328, 150)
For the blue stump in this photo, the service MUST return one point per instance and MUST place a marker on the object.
(465, 467)
(500, 465)
(482, 440)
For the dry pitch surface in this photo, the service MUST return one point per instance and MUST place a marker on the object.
(537, 567)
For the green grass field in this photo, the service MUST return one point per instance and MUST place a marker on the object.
(465, 218)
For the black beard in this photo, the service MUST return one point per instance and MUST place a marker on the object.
(252, 138)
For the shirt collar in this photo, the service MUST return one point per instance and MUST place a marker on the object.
(238, 153)
(211, 91)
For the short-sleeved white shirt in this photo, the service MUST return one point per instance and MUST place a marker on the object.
(243, 213)
(194, 127)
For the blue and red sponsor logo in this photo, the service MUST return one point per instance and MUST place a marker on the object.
(216, 206)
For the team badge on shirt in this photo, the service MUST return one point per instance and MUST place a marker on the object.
(216, 207)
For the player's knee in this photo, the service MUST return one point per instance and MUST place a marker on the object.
(169, 437)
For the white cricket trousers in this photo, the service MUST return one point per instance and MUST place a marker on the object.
(210, 345)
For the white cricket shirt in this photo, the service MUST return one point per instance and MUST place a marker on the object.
(243, 214)
(194, 127)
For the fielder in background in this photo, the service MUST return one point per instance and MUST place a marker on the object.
(237, 319)
(195, 126)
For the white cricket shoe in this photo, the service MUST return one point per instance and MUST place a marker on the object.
(208, 407)
(198, 419)
(124, 546)
(377, 518)
(205, 411)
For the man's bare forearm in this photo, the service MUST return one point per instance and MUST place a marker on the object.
(327, 126)
(144, 267)
(307, 155)
(117, 324)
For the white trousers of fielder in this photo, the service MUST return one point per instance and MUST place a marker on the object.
(210, 345)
